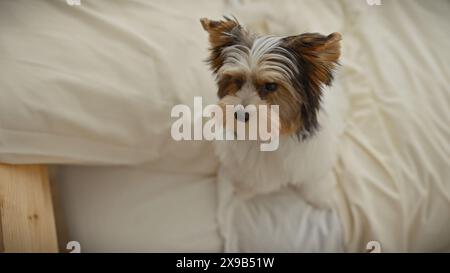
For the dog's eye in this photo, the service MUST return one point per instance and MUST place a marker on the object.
(270, 87)
(238, 82)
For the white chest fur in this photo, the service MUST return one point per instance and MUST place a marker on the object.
(303, 164)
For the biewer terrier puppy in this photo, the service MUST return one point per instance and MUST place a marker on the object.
(290, 72)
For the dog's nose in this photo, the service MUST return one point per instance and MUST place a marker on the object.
(241, 116)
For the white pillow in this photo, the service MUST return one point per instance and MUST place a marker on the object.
(95, 83)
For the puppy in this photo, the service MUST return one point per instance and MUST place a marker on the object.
(291, 72)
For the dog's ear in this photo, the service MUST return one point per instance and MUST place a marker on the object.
(223, 33)
(317, 56)
(319, 53)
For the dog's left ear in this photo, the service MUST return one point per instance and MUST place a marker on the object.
(319, 53)
(222, 34)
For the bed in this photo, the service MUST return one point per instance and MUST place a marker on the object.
(87, 90)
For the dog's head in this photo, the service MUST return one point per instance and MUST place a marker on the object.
(266, 70)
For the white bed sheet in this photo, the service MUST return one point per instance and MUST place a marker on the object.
(136, 209)
(166, 205)
(393, 164)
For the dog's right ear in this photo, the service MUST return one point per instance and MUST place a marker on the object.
(223, 33)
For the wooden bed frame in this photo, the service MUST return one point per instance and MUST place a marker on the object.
(27, 218)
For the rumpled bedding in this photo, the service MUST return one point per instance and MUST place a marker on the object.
(394, 156)
(94, 85)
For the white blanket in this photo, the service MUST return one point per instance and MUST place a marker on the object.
(394, 164)
(394, 157)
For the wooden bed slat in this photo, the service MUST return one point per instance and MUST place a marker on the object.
(27, 221)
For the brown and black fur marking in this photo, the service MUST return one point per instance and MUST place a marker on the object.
(314, 55)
